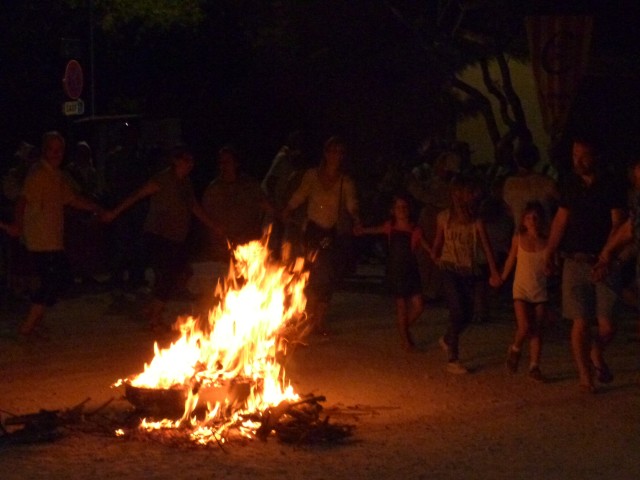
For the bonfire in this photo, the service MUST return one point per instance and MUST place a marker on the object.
(226, 372)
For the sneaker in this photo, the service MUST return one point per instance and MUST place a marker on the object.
(456, 368)
(513, 358)
(536, 374)
(603, 374)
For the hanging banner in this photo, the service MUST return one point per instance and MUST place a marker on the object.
(559, 46)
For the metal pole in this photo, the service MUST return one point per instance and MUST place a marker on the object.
(91, 61)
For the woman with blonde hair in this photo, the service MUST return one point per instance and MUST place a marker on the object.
(330, 195)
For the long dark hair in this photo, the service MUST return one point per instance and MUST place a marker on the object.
(535, 207)
(408, 199)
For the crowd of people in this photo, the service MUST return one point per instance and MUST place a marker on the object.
(452, 232)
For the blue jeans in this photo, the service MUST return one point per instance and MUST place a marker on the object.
(51, 267)
(459, 293)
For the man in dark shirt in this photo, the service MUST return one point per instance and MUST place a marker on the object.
(591, 207)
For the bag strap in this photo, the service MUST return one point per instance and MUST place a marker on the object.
(340, 197)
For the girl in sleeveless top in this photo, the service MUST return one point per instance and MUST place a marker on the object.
(403, 275)
(529, 287)
(460, 247)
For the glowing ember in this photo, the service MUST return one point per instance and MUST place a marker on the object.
(230, 360)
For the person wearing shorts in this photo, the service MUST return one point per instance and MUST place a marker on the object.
(591, 208)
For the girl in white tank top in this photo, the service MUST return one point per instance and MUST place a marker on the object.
(529, 287)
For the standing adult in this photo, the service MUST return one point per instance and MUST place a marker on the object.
(235, 202)
(84, 173)
(527, 185)
(84, 238)
(39, 217)
(628, 233)
(21, 276)
(330, 194)
(276, 185)
(172, 203)
(126, 170)
(591, 208)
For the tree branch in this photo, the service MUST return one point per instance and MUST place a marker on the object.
(495, 91)
(484, 106)
(510, 93)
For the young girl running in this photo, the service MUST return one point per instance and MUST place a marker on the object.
(404, 238)
(529, 287)
(460, 248)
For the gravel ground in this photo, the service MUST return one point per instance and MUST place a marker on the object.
(412, 419)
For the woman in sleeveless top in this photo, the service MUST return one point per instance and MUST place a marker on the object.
(330, 195)
(529, 287)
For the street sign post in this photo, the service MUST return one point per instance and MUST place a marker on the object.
(74, 107)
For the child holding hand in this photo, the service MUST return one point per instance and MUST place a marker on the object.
(529, 287)
(460, 248)
(404, 238)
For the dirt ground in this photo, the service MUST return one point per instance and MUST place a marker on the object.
(412, 419)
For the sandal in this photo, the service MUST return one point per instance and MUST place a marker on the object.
(536, 374)
(513, 359)
(588, 388)
(603, 373)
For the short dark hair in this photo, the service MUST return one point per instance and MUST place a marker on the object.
(588, 141)
(52, 135)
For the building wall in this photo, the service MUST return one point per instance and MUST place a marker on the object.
(473, 130)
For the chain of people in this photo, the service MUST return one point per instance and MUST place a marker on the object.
(443, 228)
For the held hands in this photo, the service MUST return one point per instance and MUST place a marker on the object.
(495, 280)
(601, 269)
(108, 216)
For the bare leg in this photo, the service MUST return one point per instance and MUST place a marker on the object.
(319, 315)
(603, 338)
(416, 307)
(402, 318)
(36, 312)
(580, 340)
(535, 333)
(522, 323)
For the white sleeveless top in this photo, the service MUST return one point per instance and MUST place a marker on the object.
(530, 282)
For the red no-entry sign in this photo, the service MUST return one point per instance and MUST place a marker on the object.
(73, 80)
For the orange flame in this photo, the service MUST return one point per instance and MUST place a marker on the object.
(239, 342)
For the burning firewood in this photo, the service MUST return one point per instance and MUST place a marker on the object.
(300, 422)
(227, 374)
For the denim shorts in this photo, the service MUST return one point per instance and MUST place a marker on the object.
(582, 298)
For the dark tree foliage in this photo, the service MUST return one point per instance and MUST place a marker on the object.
(381, 72)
